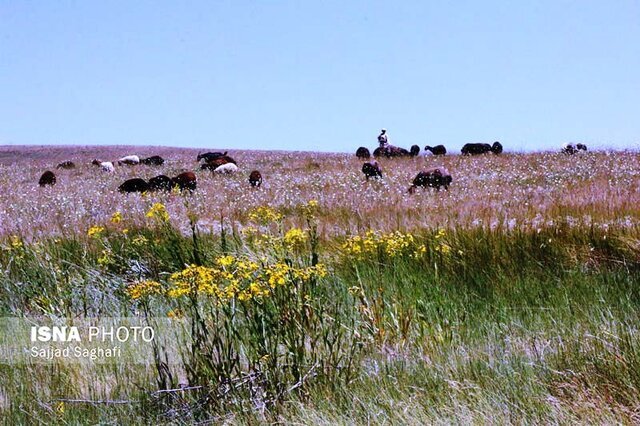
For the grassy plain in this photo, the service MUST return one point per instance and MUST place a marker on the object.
(319, 298)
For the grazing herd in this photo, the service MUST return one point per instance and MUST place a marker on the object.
(217, 162)
(571, 149)
(437, 177)
(222, 163)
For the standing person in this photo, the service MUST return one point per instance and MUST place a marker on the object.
(383, 139)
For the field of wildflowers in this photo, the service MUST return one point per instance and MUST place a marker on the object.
(319, 298)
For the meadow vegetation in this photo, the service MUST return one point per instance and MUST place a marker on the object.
(319, 298)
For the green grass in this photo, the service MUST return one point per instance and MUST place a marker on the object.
(508, 326)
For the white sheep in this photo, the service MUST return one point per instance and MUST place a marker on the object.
(129, 159)
(107, 166)
(226, 168)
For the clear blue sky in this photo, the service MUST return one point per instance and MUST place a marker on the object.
(320, 75)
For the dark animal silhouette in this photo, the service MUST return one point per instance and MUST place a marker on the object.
(390, 151)
(436, 150)
(208, 166)
(475, 148)
(155, 160)
(363, 152)
(66, 165)
(255, 178)
(96, 162)
(414, 151)
(186, 180)
(134, 185)
(433, 178)
(48, 178)
(571, 149)
(215, 163)
(481, 148)
(371, 170)
(208, 156)
(160, 183)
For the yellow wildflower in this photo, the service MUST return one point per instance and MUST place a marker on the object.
(158, 211)
(294, 237)
(194, 279)
(140, 240)
(142, 289)
(225, 261)
(95, 231)
(106, 258)
(116, 218)
(175, 314)
(16, 242)
(264, 215)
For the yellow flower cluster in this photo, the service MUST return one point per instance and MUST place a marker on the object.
(16, 242)
(239, 278)
(294, 237)
(264, 215)
(392, 244)
(16, 245)
(158, 211)
(442, 246)
(142, 289)
(192, 279)
(95, 231)
(116, 218)
(106, 258)
(139, 240)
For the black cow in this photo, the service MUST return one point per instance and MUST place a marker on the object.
(414, 151)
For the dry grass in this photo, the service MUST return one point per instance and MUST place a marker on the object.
(511, 191)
